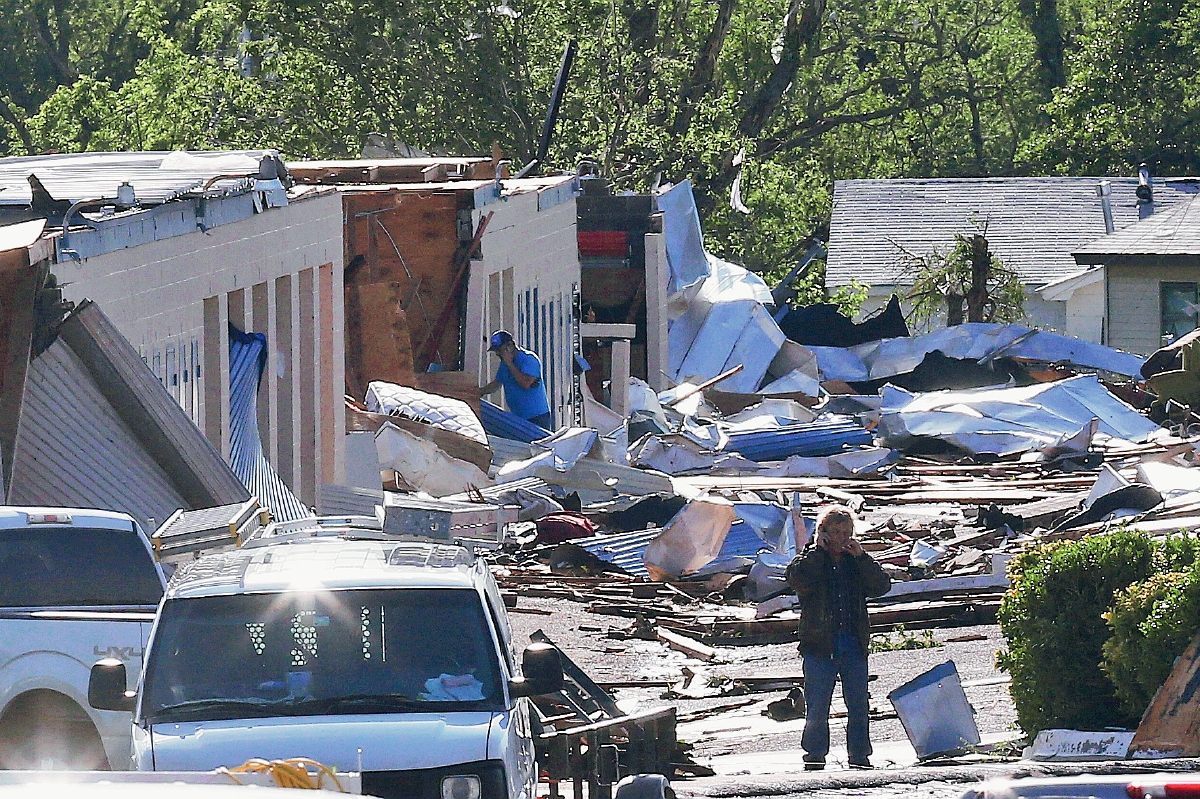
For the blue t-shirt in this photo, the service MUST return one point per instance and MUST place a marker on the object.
(524, 402)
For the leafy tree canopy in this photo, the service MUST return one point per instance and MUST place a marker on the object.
(810, 90)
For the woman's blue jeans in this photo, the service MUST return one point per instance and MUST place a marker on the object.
(820, 675)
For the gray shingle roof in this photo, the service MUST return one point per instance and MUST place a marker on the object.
(1033, 224)
(1173, 233)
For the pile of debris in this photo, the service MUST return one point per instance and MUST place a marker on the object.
(956, 448)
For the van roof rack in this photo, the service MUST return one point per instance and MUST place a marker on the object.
(472, 525)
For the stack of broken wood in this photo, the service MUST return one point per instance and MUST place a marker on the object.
(943, 530)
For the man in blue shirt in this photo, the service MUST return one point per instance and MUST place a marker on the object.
(520, 374)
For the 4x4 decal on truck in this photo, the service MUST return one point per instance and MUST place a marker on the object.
(118, 652)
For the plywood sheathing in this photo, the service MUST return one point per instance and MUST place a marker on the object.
(18, 285)
(403, 245)
(378, 343)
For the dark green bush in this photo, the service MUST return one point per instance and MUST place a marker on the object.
(1053, 622)
(1151, 623)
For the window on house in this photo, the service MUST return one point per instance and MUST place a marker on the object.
(1180, 305)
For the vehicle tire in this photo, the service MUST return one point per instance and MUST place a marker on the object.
(45, 730)
(644, 786)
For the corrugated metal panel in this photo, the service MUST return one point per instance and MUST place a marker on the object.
(73, 449)
(336, 500)
(628, 550)
(247, 357)
(87, 176)
(505, 450)
(810, 440)
(196, 468)
(506, 424)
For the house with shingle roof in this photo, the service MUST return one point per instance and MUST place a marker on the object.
(1151, 277)
(1033, 224)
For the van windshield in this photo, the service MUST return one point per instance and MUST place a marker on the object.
(46, 566)
(322, 653)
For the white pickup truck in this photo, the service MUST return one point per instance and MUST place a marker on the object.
(75, 585)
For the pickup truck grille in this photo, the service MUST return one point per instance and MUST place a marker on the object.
(427, 783)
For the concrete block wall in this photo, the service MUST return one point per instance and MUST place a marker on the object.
(278, 273)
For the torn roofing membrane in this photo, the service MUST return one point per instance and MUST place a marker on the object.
(247, 359)
(971, 341)
(685, 244)
(1010, 420)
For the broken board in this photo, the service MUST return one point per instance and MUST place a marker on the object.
(1171, 725)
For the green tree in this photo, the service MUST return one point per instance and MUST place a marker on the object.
(809, 90)
(1132, 94)
(967, 276)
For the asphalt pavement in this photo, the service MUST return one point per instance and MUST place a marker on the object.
(749, 751)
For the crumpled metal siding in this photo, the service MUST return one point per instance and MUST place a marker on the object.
(506, 424)
(247, 359)
(812, 440)
(628, 550)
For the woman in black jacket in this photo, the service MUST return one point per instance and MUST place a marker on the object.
(833, 577)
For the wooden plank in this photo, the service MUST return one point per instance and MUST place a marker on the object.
(1171, 725)
(688, 646)
(598, 330)
(460, 263)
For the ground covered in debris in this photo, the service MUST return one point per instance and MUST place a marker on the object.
(733, 725)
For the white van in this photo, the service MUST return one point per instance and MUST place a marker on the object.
(392, 658)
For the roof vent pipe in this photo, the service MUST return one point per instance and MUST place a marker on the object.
(1145, 192)
(126, 195)
(1104, 192)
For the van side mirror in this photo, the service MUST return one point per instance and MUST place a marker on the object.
(106, 687)
(543, 672)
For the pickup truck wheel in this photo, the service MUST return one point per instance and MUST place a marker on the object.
(644, 786)
(47, 730)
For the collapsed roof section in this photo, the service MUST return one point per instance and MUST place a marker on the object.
(83, 421)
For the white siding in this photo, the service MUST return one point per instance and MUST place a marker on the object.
(1040, 313)
(1134, 315)
(1085, 313)
(535, 255)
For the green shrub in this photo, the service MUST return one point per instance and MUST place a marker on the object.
(1052, 618)
(1151, 623)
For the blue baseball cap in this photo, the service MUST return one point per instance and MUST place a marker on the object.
(499, 339)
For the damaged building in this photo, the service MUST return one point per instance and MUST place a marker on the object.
(439, 253)
(183, 250)
(1032, 224)
(83, 421)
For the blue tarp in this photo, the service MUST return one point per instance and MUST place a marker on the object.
(247, 359)
(628, 550)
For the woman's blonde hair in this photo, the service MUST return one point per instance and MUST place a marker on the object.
(835, 516)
